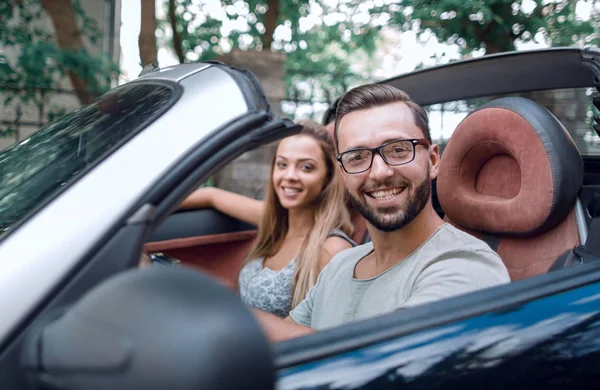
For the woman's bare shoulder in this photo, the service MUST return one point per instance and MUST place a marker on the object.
(332, 246)
(335, 244)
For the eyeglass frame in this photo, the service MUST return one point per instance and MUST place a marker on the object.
(414, 142)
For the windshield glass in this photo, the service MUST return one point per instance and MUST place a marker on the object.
(41, 166)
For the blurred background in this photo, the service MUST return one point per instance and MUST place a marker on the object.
(56, 55)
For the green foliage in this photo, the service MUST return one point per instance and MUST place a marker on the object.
(494, 25)
(323, 37)
(319, 52)
(564, 29)
(40, 64)
(208, 183)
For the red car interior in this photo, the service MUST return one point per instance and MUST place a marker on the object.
(510, 175)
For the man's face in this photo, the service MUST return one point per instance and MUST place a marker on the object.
(389, 197)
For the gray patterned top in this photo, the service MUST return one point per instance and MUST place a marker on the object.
(269, 290)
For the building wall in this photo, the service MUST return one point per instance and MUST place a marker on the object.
(107, 13)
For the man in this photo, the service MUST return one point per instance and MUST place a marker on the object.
(388, 163)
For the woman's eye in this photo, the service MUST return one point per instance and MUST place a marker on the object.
(281, 165)
(307, 168)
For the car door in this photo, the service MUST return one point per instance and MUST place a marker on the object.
(204, 239)
(539, 332)
(93, 224)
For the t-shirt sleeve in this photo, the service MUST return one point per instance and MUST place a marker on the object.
(303, 313)
(456, 276)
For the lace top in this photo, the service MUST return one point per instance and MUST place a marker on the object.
(269, 290)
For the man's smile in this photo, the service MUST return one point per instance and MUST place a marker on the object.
(385, 194)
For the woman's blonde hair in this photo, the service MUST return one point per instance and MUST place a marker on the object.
(330, 213)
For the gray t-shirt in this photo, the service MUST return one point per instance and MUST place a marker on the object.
(450, 262)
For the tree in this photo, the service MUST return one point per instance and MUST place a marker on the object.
(70, 40)
(177, 44)
(147, 40)
(44, 57)
(321, 40)
(495, 25)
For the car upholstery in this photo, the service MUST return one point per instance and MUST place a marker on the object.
(510, 175)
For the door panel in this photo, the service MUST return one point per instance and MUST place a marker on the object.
(551, 341)
(206, 240)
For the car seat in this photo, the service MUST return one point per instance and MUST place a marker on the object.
(510, 175)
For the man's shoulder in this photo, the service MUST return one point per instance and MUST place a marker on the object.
(463, 253)
(456, 238)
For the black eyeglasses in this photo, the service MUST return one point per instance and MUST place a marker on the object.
(398, 152)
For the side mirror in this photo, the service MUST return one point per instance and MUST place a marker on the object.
(157, 328)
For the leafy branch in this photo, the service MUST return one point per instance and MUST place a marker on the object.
(45, 58)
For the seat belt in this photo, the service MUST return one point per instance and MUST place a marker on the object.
(591, 249)
(585, 253)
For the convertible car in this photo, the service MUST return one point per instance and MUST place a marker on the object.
(85, 196)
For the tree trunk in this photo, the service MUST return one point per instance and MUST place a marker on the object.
(271, 18)
(176, 36)
(147, 39)
(69, 37)
(492, 48)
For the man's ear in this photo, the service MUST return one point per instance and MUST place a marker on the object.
(434, 161)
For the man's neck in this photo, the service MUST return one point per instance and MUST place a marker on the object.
(391, 248)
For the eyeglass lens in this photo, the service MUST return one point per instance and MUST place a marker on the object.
(395, 153)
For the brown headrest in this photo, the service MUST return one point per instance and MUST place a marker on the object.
(509, 168)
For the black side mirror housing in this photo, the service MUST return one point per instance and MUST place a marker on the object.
(157, 328)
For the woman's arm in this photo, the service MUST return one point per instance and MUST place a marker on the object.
(237, 206)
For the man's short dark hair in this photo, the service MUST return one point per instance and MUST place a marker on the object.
(329, 115)
(376, 95)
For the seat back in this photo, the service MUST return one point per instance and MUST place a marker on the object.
(510, 175)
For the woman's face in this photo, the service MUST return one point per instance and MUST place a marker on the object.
(300, 171)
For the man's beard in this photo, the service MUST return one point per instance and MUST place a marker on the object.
(389, 219)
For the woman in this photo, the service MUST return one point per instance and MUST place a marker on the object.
(302, 222)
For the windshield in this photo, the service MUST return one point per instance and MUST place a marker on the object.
(41, 166)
